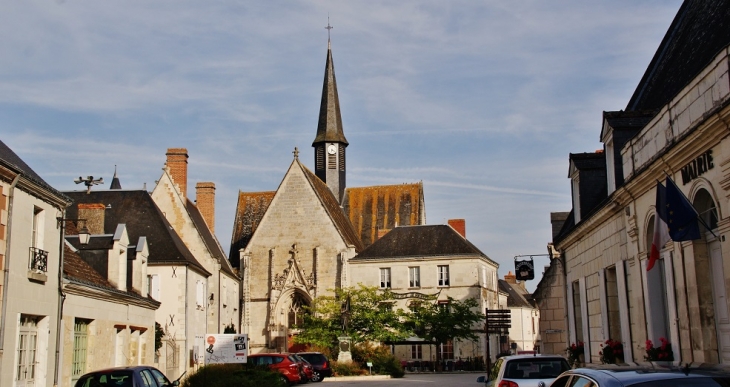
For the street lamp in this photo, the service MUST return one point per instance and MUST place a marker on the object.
(84, 234)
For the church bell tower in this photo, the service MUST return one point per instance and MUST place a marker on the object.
(330, 143)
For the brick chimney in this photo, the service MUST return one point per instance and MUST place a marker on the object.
(510, 278)
(205, 201)
(177, 162)
(459, 225)
(93, 213)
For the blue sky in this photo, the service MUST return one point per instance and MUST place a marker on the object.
(481, 100)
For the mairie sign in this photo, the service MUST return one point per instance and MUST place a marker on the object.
(420, 296)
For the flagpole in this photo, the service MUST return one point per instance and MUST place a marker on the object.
(698, 217)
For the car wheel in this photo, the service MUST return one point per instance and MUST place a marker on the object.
(316, 377)
(284, 380)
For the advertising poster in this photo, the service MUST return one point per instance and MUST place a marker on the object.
(226, 348)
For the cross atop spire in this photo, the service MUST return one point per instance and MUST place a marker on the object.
(296, 153)
(328, 28)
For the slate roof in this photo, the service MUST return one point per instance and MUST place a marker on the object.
(420, 241)
(516, 296)
(384, 207)
(76, 269)
(138, 211)
(698, 32)
(588, 160)
(627, 120)
(249, 212)
(211, 243)
(329, 127)
(9, 159)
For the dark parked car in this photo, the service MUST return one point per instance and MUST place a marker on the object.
(133, 376)
(320, 363)
(643, 377)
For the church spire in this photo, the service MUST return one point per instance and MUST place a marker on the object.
(330, 142)
(329, 127)
(115, 181)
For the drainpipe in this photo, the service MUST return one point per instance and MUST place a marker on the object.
(6, 266)
(563, 262)
(61, 299)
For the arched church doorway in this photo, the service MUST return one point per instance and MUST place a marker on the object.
(292, 309)
(712, 294)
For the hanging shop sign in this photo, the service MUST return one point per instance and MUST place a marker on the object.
(525, 269)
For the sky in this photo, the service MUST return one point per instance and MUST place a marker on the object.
(482, 101)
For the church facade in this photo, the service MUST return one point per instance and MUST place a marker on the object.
(303, 240)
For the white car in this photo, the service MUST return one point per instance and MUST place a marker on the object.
(525, 371)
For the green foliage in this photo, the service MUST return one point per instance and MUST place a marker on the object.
(230, 328)
(239, 375)
(372, 318)
(384, 363)
(159, 334)
(347, 369)
(443, 322)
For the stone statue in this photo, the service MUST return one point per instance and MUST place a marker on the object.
(345, 314)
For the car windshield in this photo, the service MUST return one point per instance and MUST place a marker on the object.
(314, 358)
(687, 382)
(120, 378)
(535, 368)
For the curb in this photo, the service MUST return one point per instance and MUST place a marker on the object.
(359, 377)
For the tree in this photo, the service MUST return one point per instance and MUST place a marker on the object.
(370, 317)
(230, 328)
(159, 334)
(442, 322)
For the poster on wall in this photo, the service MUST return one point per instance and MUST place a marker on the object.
(226, 348)
(198, 346)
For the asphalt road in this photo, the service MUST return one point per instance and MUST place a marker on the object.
(456, 379)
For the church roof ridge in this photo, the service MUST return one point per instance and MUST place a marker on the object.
(332, 206)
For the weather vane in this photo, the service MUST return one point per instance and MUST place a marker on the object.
(89, 181)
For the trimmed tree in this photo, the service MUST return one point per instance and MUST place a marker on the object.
(441, 322)
(368, 316)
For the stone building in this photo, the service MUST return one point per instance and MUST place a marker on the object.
(523, 333)
(30, 267)
(195, 224)
(174, 278)
(437, 262)
(108, 316)
(674, 126)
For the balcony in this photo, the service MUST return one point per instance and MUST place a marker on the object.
(38, 265)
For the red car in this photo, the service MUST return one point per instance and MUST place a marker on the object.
(306, 367)
(286, 364)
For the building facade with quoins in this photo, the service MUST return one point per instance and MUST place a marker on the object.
(676, 125)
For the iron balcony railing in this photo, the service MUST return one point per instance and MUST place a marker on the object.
(38, 259)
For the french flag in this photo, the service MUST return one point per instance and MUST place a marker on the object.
(675, 219)
(661, 231)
